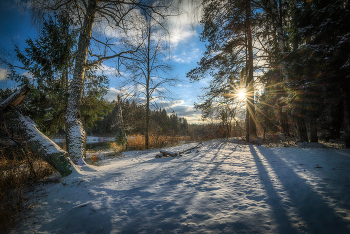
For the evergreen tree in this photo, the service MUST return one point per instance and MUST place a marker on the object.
(320, 64)
(48, 61)
(230, 27)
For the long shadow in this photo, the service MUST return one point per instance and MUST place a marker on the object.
(80, 219)
(279, 212)
(173, 218)
(311, 207)
(338, 163)
(137, 208)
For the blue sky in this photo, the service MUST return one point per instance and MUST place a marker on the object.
(186, 52)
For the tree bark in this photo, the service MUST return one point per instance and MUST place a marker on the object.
(283, 120)
(277, 16)
(122, 134)
(313, 129)
(250, 79)
(75, 133)
(147, 84)
(346, 119)
(15, 99)
(301, 128)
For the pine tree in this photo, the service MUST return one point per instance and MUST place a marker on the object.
(230, 27)
(320, 64)
(49, 61)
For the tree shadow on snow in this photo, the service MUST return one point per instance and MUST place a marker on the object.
(83, 218)
(172, 208)
(313, 214)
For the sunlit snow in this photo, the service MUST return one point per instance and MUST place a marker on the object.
(222, 187)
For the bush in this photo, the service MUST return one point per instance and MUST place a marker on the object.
(18, 169)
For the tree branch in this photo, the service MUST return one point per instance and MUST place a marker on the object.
(16, 98)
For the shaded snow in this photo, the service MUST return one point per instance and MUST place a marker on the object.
(222, 187)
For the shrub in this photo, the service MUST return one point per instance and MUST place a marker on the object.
(18, 169)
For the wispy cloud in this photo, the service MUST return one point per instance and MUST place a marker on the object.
(180, 34)
(178, 106)
(182, 26)
(106, 70)
(187, 57)
(181, 109)
(181, 85)
(3, 74)
(124, 92)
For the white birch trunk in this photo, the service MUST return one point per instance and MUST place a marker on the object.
(75, 133)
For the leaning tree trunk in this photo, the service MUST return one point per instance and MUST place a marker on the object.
(75, 133)
(23, 130)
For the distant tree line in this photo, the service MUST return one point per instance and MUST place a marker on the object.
(133, 114)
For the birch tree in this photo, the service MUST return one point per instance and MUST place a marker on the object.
(149, 66)
(114, 14)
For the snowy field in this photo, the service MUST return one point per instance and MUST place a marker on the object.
(222, 187)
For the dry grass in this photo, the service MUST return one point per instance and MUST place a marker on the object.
(137, 142)
(18, 170)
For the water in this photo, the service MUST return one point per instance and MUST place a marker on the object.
(91, 142)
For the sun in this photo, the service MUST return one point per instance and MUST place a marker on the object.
(241, 94)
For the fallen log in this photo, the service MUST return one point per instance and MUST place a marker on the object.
(195, 147)
(167, 153)
(164, 153)
(24, 131)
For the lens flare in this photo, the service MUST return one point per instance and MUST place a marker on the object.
(241, 94)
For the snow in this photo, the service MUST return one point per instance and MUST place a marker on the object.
(34, 135)
(222, 187)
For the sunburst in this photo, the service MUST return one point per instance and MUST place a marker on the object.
(241, 94)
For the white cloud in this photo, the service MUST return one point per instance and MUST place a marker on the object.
(178, 106)
(124, 92)
(182, 26)
(3, 74)
(106, 70)
(187, 57)
(181, 109)
(27, 74)
(189, 112)
(181, 33)
(181, 85)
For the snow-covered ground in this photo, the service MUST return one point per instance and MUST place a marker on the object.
(222, 187)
